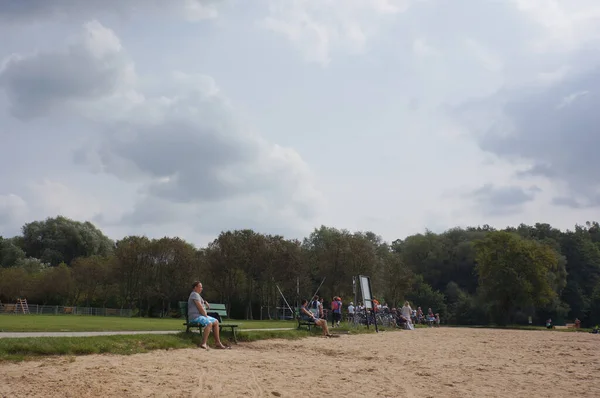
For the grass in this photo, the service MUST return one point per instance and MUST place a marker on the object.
(34, 347)
(18, 349)
(83, 323)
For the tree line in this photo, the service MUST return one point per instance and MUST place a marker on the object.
(475, 275)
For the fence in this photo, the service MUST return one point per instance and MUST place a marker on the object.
(276, 313)
(63, 310)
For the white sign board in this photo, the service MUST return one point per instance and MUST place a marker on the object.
(365, 287)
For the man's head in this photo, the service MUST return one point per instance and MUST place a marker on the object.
(304, 301)
(197, 286)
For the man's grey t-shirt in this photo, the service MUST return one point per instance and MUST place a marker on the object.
(193, 311)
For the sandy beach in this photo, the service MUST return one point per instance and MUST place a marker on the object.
(444, 362)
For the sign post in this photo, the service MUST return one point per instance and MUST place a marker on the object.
(365, 288)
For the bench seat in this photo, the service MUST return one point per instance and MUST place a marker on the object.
(305, 322)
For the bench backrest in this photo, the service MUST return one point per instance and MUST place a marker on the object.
(219, 309)
(183, 309)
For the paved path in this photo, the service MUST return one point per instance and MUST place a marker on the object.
(108, 333)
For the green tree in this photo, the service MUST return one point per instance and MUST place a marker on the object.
(15, 282)
(10, 253)
(514, 273)
(424, 296)
(90, 275)
(60, 239)
(54, 286)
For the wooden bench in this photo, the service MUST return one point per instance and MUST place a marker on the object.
(304, 321)
(217, 311)
(570, 326)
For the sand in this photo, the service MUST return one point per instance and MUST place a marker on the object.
(438, 362)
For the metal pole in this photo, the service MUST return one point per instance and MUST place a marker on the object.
(313, 296)
(286, 303)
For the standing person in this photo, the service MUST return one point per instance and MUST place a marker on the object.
(306, 314)
(351, 312)
(320, 308)
(407, 312)
(197, 314)
(336, 310)
(314, 307)
(376, 305)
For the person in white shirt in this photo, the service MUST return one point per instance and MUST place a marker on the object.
(351, 308)
(407, 312)
(351, 312)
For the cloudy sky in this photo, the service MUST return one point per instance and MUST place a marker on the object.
(189, 117)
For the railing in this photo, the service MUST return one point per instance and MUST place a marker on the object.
(64, 310)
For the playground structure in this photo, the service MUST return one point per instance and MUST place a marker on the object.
(21, 307)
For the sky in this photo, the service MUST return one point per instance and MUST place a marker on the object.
(190, 117)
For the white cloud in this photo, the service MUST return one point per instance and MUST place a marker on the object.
(488, 58)
(565, 25)
(423, 49)
(320, 27)
(184, 148)
(12, 210)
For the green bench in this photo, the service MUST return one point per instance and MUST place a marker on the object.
(304, 322)
(218, 311)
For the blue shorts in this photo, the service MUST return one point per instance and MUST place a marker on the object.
(204, 320)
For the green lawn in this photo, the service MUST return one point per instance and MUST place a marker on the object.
(82, 323)
(18, 349)
(35, 347)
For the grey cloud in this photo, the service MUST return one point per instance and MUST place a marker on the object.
(12, 209)
(19, 11)
(184, 160)
(36, 83)
(555, 129)
(565, 201)
(504, 199)
(183, 149)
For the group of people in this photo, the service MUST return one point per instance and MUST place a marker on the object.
(405, 316)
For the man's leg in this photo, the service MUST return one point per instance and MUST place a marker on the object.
(217, 333)
(205, 334)
(323, 324)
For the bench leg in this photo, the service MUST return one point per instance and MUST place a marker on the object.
(234, 336)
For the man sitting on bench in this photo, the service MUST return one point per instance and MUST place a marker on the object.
(197, 314)
(306, 314)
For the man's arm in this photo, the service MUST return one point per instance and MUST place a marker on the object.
(307, 312)
(200, 308)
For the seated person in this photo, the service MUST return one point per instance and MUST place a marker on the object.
(400, 319)
(307, 315)
(197, 314)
